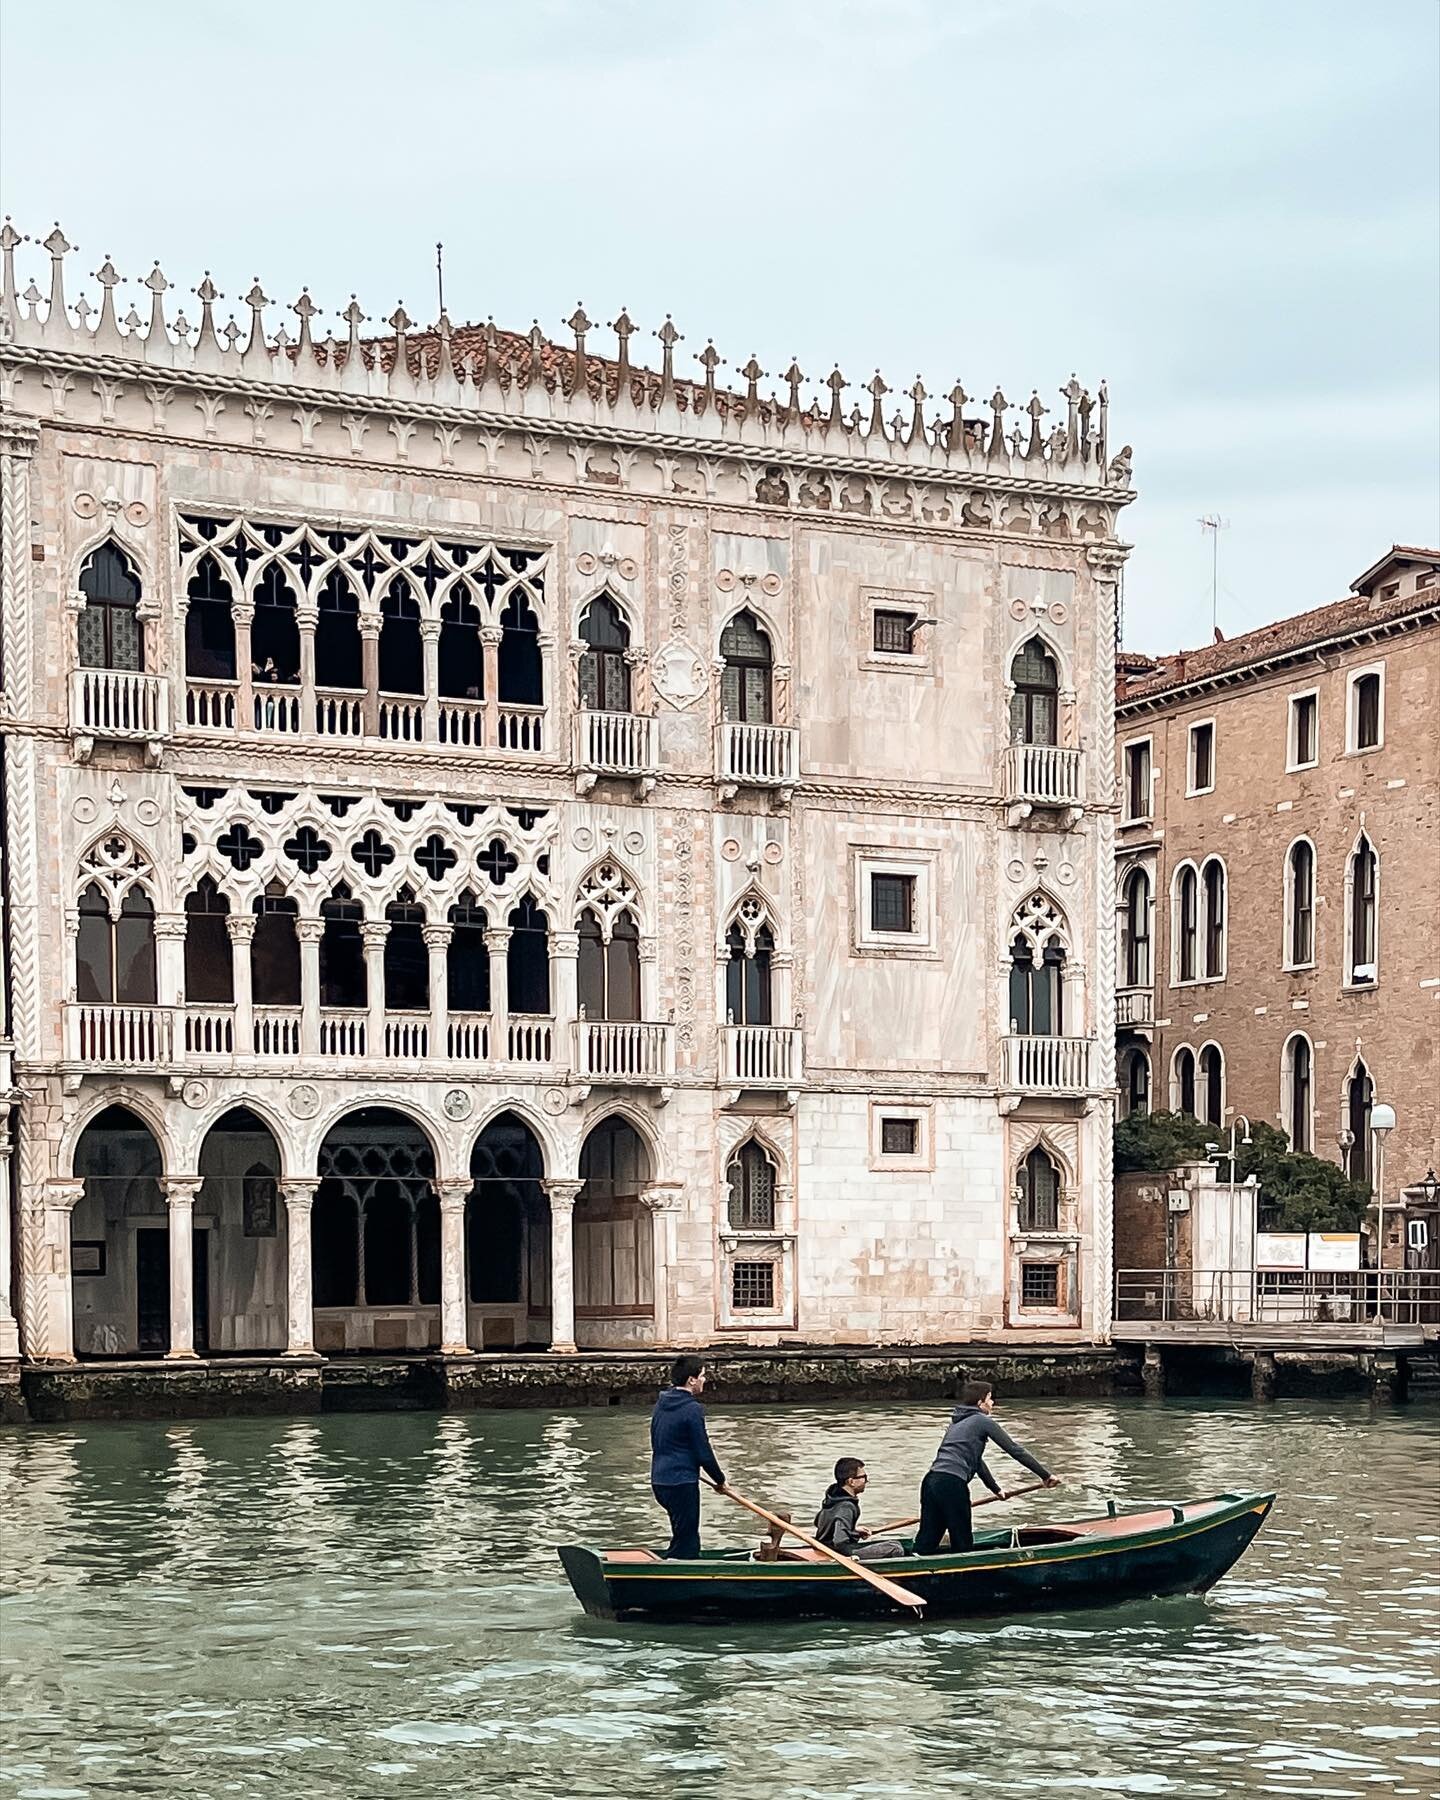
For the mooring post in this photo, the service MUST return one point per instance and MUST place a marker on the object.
(1387, 1376)
(1152, 1373)
(1262, 1375)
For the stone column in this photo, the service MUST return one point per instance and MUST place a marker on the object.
(497, 942)
(299, 1198)
(490, 636)
(9, 1327)
(649, 978)
(373, 933)
(241, 927)
(309, 932)
(565, 995)
(437, 942)
(370, 671)
(662, 1200)
(242, 614)
(562, 1196)
(454, 1335)
(782, 992)
(430, 681)
(180, 1192)
(47, 1305)
(170, 959)
(306, 619)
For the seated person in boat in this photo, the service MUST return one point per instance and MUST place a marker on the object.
(945, 1491)
(679, 1450)
(838, 1521)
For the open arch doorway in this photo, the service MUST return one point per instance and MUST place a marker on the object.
(120, 1240)
(240, 1232)
(507, 1239)
(614, 1246)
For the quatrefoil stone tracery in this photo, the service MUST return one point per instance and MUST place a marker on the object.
(608, 892)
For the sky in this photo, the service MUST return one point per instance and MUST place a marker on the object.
(1230, 212)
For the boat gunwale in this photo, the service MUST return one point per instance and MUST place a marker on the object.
(1078, 1549)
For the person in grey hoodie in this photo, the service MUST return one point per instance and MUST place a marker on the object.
(945, 1491)
(838, 1521)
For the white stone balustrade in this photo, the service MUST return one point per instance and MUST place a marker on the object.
(340, 712)
(402, 719)
(211, 705)
(118, 703)
(342, 1031)
(277, 1031)
(1135, 1006)
(208, 1031)
(628, 1051)
(1047, 1065)
(757, 755)
(521, 728)
(615, 743)
(277, 710)
(461, 723)
(1042, 774)
(761, 1055)
(117, 1037)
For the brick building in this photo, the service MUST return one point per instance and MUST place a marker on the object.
(508, 847)
(1278, 877)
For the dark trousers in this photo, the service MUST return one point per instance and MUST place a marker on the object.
(944, 1508)
(682, 1502)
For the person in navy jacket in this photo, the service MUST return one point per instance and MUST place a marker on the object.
(679, 1450)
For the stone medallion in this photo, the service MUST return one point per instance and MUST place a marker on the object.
(554, 1102)
(677, 674)
(195, 1093)
(457, 1104)
(304, 1101)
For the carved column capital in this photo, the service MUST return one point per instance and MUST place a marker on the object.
(454, 1191)
(180, 1190)
(497, 939)
(562, 1195)
(373, 933)
(298, 1193)
(63, 1196)
(437, 937)
(310, 931)
(241, 927)
(663, 1196)
(565, 943)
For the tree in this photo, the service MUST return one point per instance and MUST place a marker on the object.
(1158, 1141)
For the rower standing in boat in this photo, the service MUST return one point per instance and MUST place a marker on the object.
(679, 1450)
(945, 1491)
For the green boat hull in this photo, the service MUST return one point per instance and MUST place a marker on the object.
(1161, 1548)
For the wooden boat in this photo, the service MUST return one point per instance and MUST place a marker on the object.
(1159, 1548)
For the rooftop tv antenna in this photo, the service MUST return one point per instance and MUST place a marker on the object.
(1214, 524)
(440, 275)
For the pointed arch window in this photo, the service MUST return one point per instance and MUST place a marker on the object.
(1298, 1096)
(1211, 1094)
(1187, 924)
(1037, 988)
(337, 635)
(608, 972)
(1300, 881)
(209, 624)
(1364, 886)
(745, 683)
(1039, 1193)
(1135, 1082)
(467, 958)
(109, 632)
(402, 655)
(462, 661)
(751, 1179)
(527, 959)
(209, 967)
(1035, 701)
(343, 980)
(1183, 1081)
(275, 630)
(1136, 948)
(275, 950)
(751, 946)
(1359, 1101)
(604, 672)
(520, 675)
(1213, 884)
(115, 956)
(407, 961)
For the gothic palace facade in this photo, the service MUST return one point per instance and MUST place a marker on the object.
(505, 847)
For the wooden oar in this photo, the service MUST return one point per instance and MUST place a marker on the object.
(892, 1590)
(989, 1500)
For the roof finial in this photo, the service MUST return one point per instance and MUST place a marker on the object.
(836, 383)
(709, 359)
(877, 389)
(998, 404)
(579, 324)
(669, 337)
(624, 329)
(958, 397)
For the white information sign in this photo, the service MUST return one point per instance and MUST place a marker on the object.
(1334, 1249)
(1279, 1249)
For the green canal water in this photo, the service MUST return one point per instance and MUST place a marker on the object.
(370, 1606)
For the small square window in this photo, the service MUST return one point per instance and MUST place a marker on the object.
(1202, 757)
(1304, 731)
(1040, 1284)
(899, 1137)
(892, 903)
(894, 633)
(1137, 780)
(752, 1287)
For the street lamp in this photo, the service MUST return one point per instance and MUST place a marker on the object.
(1239, 1119)
(1382, 1123)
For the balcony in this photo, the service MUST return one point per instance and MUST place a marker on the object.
(756, 756)
(624, 1053)
(1047, 1065)
(761, 1056)
(615, 744)
(211, 705)
(117, 1037)
(122, 704)
(1134, 1006)
(1041, 775)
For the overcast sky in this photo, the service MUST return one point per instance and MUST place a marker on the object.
(1227, 209)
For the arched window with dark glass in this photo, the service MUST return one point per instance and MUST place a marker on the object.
(110, 634)
(407, 961)
(467, 957)
(343, 981)
(1302, 903)
(209, 624)
(274, 631)
(1037, 989)
(745, 682)
(1214, 884)
(747, 976)
(1187, 924)
(604, 672)
(1137, 929)
(402, 655)
(608, 971)
(1212, 1085)
(1135, 1082)
(1359, 1102)
(1184, 1084)
(1364, 888)
(115, 956)
(751, 1179)
(275, 951)
(1299, 1067)
(1035, 701)
(338, 660)
(520, 674)
(1039, 1193)
(209, 969)
(527, 959)
(462, 660)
